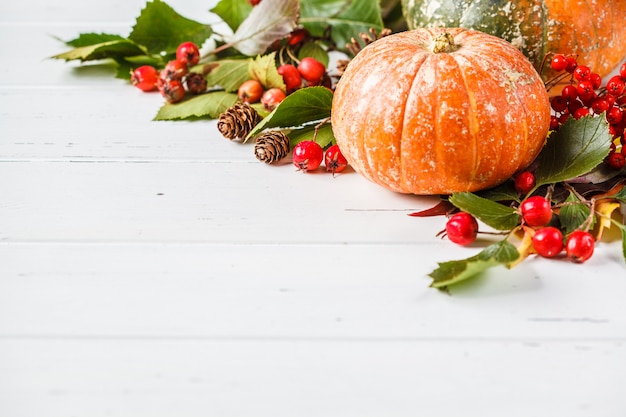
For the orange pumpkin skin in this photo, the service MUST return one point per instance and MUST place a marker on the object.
(420, 122)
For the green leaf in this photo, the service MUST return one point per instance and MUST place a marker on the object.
(574, 150)
(205, 105)
(110, 49)
(263, 69)
(348, 18)
(503, 192)
(324, 136)
(452, 272)
(269, 21)
(86, 39)
(232, 12)
(314, 50)
(493, 214)
(573, 214)
(161, 29)
(228, 73)
(621, 195)
(304, 106)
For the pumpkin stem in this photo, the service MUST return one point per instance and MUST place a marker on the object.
(443, 42)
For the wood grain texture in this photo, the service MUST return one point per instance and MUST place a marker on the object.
(157, 269)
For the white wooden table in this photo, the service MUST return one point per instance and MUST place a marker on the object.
(157, 269)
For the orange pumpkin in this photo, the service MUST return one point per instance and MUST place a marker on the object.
(438, 111)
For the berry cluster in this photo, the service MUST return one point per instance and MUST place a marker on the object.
(308, 155)
(584, 95)
(308, 72)
(175, 79)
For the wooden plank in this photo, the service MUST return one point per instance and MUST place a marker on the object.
(130, 378)
(342, 291)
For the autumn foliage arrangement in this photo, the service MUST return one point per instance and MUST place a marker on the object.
(529, 152)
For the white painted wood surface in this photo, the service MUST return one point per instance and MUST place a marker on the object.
(157, 269)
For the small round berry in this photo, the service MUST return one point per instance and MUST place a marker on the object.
(250, 91)
(536, 211)
(311, 70)
(582, 72)
(581, 112)
(307, 155)
(174, 70)
(272, 98)
(571, 64)
(614, 115)
(291, 76)
(595, 79)
(524, 182)
(600, 105)
(334, 159)
(195, 83)
(462, 228)
(579, 246)
(548, 242)
(585, 88)
(173, 91)
(570, 92)
(616, 160)
(622, 71)
(554, 123)
(615, 86)
(297, 35)
(559, 62)
(188, 53)
(145, 78)
(558, 103)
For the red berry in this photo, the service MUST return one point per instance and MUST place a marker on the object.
(548, 242)
(250, 91)
(571, 65)
(173, 91)
(596, 80)
(622, 71)
(291, 76)
(174, 70)
(254, 2)
(614, 115)
(145, 78)
(616, 160)
(581, 112)
(188, 53)
(558, 103)
(536, 211)
(579, 246)
(600, 105)
(272, 98)
(462, 228)
(582, 72)
(307, 155)
(311, 70)
(585, 88)
(615, 86)
(524, 182)
(570, 92)
(559, 62)
(554, 123)
(334, 159)
(297, 36)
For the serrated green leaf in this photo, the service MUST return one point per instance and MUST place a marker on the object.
(161, 29)
(493, 214)
(111, 49)
(228, 73)
(497, 254)
(574, 150)
(348, 18)
(263, 69)
(324, 136)
(503, 192)
(573, 214)
(232, 12)
(621, 195)
(304, 106)
(269, 21)
(314, 50)
(86, 39)
(205, 105)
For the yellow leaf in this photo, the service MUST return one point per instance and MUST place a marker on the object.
(605, 211)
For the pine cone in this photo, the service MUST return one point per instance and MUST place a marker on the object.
(271, 147)
(237, 121)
